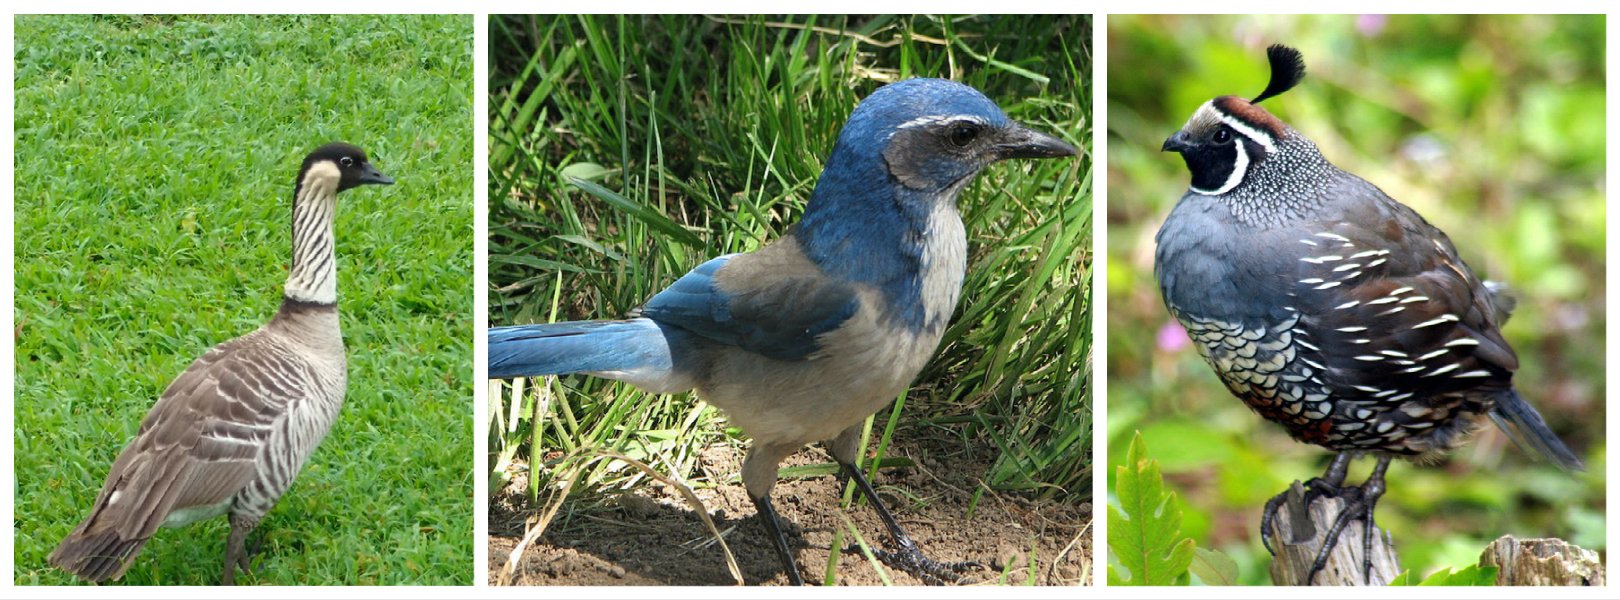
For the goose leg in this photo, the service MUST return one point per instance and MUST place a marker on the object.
(237, 555)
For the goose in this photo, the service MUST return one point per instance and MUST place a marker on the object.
(230, 434)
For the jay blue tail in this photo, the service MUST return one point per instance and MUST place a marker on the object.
(611, 349)
(801, 340)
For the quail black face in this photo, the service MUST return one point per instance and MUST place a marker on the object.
(1228, 136)
(353, 167)
(1222, 141)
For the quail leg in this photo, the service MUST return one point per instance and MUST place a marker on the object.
(767, 515)
(1359, 504)
(1329, 484)
(905, 555)
(237, 554)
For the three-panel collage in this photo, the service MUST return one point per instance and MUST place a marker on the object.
(523, 305)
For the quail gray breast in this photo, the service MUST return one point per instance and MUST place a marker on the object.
(230, 434)
(1328, 307)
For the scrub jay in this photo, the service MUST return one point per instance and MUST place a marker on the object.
(804, 338)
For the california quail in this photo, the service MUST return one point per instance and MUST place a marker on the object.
(231, 432)
(1330, 308)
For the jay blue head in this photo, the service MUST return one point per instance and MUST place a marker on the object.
(801, 340)
(905, 153)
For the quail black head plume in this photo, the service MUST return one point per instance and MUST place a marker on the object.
(1327, 306)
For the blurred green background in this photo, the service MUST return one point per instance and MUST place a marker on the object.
(1492, 127)
(155, 161)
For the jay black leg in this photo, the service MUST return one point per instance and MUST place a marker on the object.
(906, 556)
(767, 514)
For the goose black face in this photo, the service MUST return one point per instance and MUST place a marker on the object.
(353, 167)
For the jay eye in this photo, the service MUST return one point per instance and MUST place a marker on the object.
(1223, 135)
(347, 161)
(963, 134)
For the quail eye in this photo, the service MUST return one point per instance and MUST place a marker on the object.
(1223, 135)
(963, 134)
(347, 161)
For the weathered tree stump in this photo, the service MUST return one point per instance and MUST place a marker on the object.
(1296, 553)
(1542, 562)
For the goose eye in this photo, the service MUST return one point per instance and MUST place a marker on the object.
(347, 161)
(1223, 135)
(963, 134)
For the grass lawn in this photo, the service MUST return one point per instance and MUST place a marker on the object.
(155, 159)
(698, 136)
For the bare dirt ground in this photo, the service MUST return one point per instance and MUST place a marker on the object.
(652, 537)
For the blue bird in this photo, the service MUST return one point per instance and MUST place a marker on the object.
(801, 340)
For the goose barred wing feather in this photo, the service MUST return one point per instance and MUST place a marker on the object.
(196, 449)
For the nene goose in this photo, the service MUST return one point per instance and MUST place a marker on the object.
(232, 431)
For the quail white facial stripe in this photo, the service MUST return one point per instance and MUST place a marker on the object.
(1259, 137)
(1240, 167)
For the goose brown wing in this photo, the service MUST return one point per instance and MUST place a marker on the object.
(199, 444)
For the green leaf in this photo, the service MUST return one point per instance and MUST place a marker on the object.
(587, 171)
(1472, 575)
(1214, 567)
(641, 212)
(1144, 533)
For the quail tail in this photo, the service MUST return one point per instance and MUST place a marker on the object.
(1524, 426)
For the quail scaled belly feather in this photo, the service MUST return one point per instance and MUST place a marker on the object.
(1330, 308)
(230, 434)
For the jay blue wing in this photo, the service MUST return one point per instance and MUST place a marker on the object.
(775, 314)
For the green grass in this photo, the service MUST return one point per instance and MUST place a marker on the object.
(1503, 150)
(703, 136)
(154, 172)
